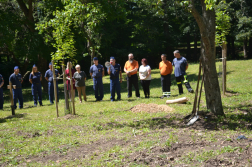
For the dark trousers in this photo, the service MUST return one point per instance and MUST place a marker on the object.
(133, 80)
(1, 98)
(17, 94)
(115, 86)
(166, 83)
(146, 87)
(51, 91)
(181, 80)
(36, 90)
(98, 87)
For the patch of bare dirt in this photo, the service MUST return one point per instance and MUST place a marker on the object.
(151, 108)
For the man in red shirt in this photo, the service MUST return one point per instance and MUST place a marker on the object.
(166, 69)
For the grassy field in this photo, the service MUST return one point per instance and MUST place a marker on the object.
(109, 134)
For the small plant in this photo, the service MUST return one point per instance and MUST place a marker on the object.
(172, 139)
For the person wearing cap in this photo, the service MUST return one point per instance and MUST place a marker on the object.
(114, 71)
(16, 79)
(97, 72)
(166, 69)
(49, 78)
(35, 79)
(80, 78)
(1, 92)
(181, 65)
(130, 68)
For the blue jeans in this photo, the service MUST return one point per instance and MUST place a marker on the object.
(51, 91)
(98, 87)
(17, 94)
(115, 86)
(36, 89)
(1, 98)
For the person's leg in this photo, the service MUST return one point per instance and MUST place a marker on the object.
(148, 88)
(34, 94)
(129, 86)
(163, 86)
(187, 84)
(168, 85)
(118, 89)
(20, 98)
(101, 89)
(84, 92)
(40, 95)
(79, 93)
(15, 96)
(143, 85)
(95, 89)
(135, 83)
(1, 99)
(112, 90)
(179, 83)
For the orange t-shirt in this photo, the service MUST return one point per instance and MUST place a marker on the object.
(165, 68)
(131, 66)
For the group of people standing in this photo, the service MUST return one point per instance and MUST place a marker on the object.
(96, 71)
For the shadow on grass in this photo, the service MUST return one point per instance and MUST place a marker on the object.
(2, 120)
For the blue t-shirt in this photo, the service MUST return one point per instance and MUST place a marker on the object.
(180, 66)
(16, 80)
(49, 74)
(115, 70)
(35, 77)
(1, 79)
(96, 70)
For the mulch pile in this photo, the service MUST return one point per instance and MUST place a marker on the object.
(151, 108)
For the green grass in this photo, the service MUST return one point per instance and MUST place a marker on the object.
(104, 126)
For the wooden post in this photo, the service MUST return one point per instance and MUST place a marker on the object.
(224, 59)
(55, 89)
(11, 97)
(71, 82)
(67, 110)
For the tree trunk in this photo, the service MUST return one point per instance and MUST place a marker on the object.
(245, 43)
(206, 23)
(250, 48)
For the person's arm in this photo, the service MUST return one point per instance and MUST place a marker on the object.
(109, 71)
(125, 68)
(41, 77)
(2, 84)
(102, 72)
(149, 73)
(30, 79)
(21, 79)
(135, 69)
(120, 73)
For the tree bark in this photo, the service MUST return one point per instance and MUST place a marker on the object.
(206, 23)
(250, 48)
(245, 52)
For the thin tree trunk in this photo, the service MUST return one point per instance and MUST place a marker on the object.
(250, 48)
(245, 43)
(206, 23)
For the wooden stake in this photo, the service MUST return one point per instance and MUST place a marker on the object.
(55, 89)
(224, 70)
(67, 110)
(11, 98)
(71, 82)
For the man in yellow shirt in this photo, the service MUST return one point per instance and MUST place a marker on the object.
(130, 68)
(165, 68)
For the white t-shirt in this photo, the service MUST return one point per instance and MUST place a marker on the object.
(143, 72)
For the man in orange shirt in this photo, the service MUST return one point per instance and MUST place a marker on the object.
(130, 68)
(165, 68)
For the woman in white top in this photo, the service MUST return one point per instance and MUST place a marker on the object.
(145, 77)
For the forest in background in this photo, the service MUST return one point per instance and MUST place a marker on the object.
(112, 28)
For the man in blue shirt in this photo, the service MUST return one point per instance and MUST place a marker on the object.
(181, 65)
(16, 79)
(49, 78)
(35, 79)
(114, 70)
(97, 72)
(1, 92)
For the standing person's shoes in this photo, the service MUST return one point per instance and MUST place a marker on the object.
(191, 90)
(162, 97)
